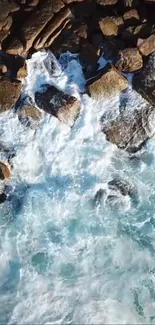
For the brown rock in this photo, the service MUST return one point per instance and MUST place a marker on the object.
(29, 115)
(15, 47)
(3, 68)
(130, 60)
(146, 46)
(22, 72)
(53, 101)
(52, 27)
(110, 25)
(38, 20)
(9, 93)
(107, 83)
(4, 171)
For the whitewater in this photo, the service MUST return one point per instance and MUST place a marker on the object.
(63, 258)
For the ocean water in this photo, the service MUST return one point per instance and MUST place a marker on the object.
(63, 258)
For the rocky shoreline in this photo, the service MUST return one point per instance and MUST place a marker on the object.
(120, 31)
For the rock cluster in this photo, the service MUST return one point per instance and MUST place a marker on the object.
(122, 31)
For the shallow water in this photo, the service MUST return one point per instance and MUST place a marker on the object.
(63, 259)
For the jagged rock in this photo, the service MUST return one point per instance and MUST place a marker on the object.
(55, 102)
(110, 26)
(130, 60)
(34, 25)
(9, 93)
(54, 26)
(146, 46)
(29, 115)
(107, 2)
(107, 83)
(131, 128)
(4, 171)
(144, 82)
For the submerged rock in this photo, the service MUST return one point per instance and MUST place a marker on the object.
(123, 186)
(131, 128)
(108, 82)
(55, 102)
(117, 188)
(9, 93)
(29, 115)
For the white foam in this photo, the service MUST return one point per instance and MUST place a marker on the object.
(94, 260)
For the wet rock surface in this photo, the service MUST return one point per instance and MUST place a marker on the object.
(105, 84)
(55, 102)
(131, 128)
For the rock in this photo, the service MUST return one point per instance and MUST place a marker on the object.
(130, 60)
(110, 26)
(107, 83)
(22, 72)
(112, 47)
(107, 2)
(131, 128)
(131, 17)
(15, 47)
(9, 93)
(146, 46)
(144, 82)
(15, 65)
(97, 39)
(53, 101)
(4, 171)
(52, 27)
(123, 186)
(36, 22)
(3, 69)
(29, 115)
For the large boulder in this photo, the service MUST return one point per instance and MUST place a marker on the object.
(131, 128)
(9, 93)
(144, 82)
(129, 60)
(55, 102)
(108, 82)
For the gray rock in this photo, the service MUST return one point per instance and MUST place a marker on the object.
(131, 128)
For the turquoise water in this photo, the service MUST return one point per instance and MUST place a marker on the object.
(63, 259)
